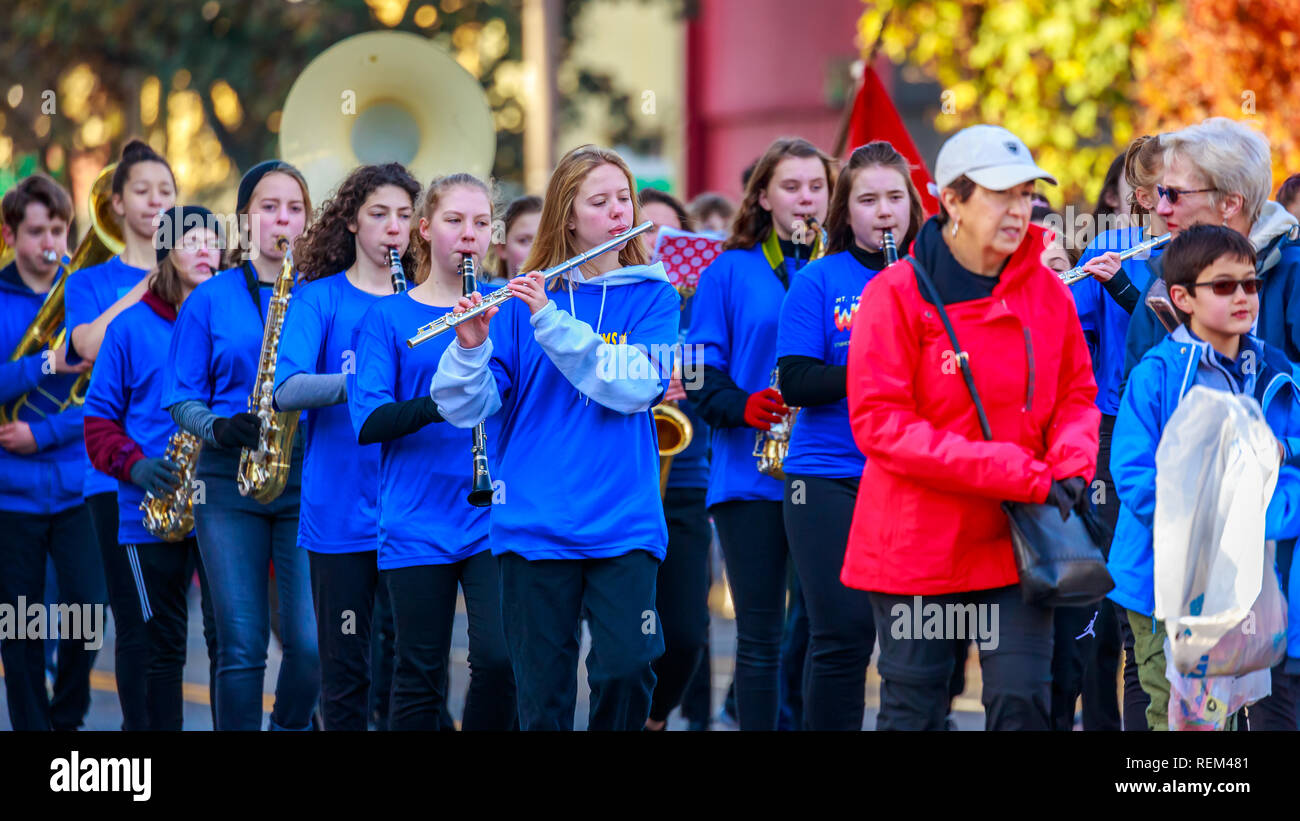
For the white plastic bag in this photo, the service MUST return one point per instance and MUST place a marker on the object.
(1206, 702)
(1216, 467)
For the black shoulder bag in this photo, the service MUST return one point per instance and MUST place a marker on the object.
(1059, 562)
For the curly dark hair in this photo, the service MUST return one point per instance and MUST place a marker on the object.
(328, 247)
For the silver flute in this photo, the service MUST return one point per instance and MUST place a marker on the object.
(1078, 274)
(449, 321)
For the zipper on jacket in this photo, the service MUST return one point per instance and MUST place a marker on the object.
(1029, 352)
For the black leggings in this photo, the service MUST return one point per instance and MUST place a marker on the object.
(131, 639)
(682, 597)
(752, 534)
(424, 608)
(163, 573)
(818, 515)
(343, 588)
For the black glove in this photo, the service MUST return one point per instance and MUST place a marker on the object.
(1068, 494)
(243, 430)
(157, 476)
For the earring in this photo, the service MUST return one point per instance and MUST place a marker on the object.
(955, 224)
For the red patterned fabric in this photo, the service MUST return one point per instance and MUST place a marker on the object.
(685, 256)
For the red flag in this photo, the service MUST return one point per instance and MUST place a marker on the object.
(875, 118)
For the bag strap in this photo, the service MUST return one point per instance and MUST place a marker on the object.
(963, 359)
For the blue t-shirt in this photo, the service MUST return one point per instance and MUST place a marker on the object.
(1104, 322)
(127, 388)
(733, 329)
(425, 477)
(580, 480)
(815, 321)
(340, 479)
(49, 480)
(88, 293)
(216, 344)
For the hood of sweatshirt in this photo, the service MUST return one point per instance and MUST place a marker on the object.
(629, 275)
(1274, 223)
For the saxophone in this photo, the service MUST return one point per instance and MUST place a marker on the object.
(770, 446)
(264, 472)
(171, 517)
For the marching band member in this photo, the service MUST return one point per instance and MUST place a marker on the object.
(127, 433)
(215, 353)
(874, 193)
(345, 267)
(583, 391)
(682, 588)
(931, 525)
(430, 538)
(734, 329)
(143, 187)
(519, 229)
(41, 458)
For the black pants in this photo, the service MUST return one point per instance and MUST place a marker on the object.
(754, 548)
(818, 515)
(682, 597)
(1136, 699)
(343, 588)
(162, 573)
(424, 608)
(916, 673)
(26, 539)
(381, 657)
(542, 603)
(1276, 712)
(130, 638)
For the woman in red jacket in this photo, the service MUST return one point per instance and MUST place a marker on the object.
(929, 539)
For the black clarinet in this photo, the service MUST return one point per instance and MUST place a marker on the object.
(396, 271)
(481, 494)
(891, 250)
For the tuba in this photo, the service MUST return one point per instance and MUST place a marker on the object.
(264, 472)
(170, 518)
(102, 242)
(770, 446)
(405, 100)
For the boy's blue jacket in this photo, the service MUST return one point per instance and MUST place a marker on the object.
(49, 480)
(1153, 392)
(577, 455)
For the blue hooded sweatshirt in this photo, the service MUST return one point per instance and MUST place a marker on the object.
(577, 458)
(1154, 390)
(1104, 322)
(49, 480)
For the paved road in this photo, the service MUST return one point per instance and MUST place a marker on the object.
(106, 715)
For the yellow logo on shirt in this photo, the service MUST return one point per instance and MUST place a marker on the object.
(614, 338)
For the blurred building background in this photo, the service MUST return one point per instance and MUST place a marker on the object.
(690, 91)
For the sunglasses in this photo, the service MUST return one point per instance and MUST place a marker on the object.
(1228, 287)
(1172, 194)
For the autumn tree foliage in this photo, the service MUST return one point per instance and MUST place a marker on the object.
(1078, 79)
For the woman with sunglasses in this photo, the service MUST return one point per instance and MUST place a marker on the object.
(1219, 172)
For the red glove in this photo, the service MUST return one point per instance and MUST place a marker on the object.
(764, 408)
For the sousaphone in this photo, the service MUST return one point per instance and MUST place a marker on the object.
(385, 97)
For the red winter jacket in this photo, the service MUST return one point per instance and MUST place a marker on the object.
(927, 519)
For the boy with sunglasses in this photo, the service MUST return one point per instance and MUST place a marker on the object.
(1213, 285)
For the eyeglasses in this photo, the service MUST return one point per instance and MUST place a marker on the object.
(1172, 194)
(1228, 287)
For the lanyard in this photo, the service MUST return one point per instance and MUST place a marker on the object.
(254, 291)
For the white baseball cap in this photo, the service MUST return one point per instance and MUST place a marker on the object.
(990, 155)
